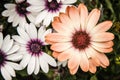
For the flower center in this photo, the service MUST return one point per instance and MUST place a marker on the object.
(21, 8)
(35, 47)
(81, 40)
(2, 58)
(53, 6)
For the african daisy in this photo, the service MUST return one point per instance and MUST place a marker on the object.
(79, 40)
(47, 9)
(32, 45)
(8, 57)
(17, 13)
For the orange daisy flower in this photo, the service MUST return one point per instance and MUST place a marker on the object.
(80, 40)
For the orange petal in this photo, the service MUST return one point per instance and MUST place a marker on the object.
(59, 47)
(92, 19)
(83, 15)
(84, 63)
(102, 27)
(91, 54)
(103, 50)
(108, 44)
(49, 42)
(55, 54)
(102, 37)
(56, 37)
(73, 61)
(65, 55)
(56, 19)
(75, 17)
(73, 71)
(92, 67)
(103, 59)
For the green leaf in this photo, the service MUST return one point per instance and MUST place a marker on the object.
(93, 77)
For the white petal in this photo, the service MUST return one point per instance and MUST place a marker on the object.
(13, 49)
(1, 39)
(35, 8)
(6, 13)
(9, 6)
(5, 74)
(41, 16)
(41, 31)
(19, 39)
(15, 65)
(48, 19)
(11, 16)
(23, 34)
(36, 2)
(31, 18)
(16, 20)
(37, 66)
(43, 64)
(32, 31)
(25, 60)
(15, 57)
(10, 70)
(68, 1)
(31, 65)
(49, 60)
(43, 36)
(7, 43)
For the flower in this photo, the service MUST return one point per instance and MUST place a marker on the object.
(47, 9)
(80, 40)
(8, 57)
(32, 45)
(17, 13)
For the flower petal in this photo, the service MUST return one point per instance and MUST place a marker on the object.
(49, 60)
(108, 44)
(92, 67)
(1, 39)
(9, 6)
(26, 58)
(83, 15)
(15, 65)
(55, 37)
(31, 65)
(73, 71)
(37, 66)
(55, 54)
(15, 57)
(19, 39)
(68, 1)
(102, 27)
(102, 37)
(43, 64)
(13, 49)
(92, 19)
(5, 74)
(59, 47)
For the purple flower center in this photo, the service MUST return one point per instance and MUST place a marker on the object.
(21, 8)
(81, 40)
(34, 47)
(2, 58)
(53, 6)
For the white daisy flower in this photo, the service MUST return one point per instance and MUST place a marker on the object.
(17, 13)
(32, 44)
(47, 9)
(8, 56)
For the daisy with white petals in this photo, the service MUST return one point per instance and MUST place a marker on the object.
(17, 13)
(32, 44)
(47, 9)
(8, 57)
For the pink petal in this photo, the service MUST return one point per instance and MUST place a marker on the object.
(92, 67)
(102, 27)
(92, 19)
(83, 15)
(56, 37)
(55, 54)
(73, 71)
(102, 37)
(59, 47)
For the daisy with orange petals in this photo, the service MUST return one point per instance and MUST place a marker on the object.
(80, 40)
